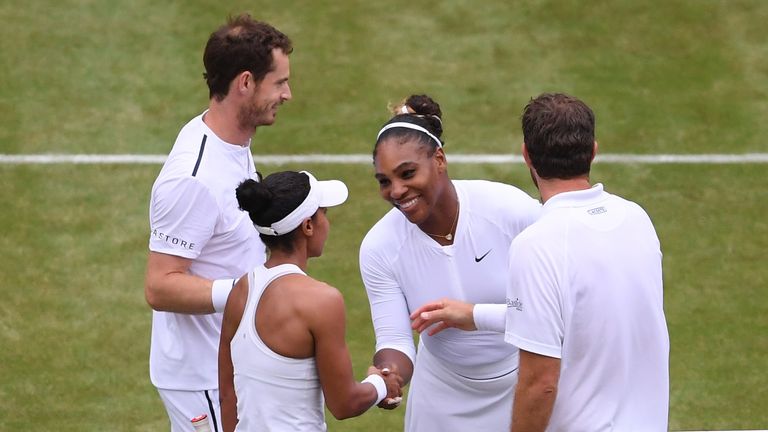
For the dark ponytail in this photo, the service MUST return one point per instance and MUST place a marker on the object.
(272, 199)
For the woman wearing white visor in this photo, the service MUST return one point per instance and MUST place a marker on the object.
(282, 350)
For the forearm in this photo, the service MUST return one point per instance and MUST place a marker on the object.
(395, 361)
(532, 409)
(361, 397)
(344, 396)
(179, 292)
(536, 391)
(231, 321)
(228, 411)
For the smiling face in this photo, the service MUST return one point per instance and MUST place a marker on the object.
(410, 178)
(267, 95)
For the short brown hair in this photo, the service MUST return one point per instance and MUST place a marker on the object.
(243, 44)
(559, 135)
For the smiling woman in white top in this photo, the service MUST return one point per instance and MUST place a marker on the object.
(443, 238)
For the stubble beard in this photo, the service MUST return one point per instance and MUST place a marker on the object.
(252, 116)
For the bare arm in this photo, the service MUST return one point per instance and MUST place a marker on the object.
(168, 286)
(233, 313)
(344, 396)
(536, 392)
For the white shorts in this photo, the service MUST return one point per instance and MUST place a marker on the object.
(182, 406)
(445, 400)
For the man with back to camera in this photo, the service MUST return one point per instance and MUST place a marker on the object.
(200, 241)
(585, 298)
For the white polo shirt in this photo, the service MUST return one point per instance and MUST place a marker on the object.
(193, 213)
(586, 287)
(403, 268)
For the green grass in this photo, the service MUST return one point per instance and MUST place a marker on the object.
(123, 77)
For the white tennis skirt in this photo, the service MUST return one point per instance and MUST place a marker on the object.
(441, 399)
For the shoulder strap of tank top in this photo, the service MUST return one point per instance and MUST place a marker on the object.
(257, 285)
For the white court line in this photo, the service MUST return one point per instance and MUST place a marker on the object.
(746, 158)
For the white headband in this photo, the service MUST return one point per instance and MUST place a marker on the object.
(409, 126)
(327, 193)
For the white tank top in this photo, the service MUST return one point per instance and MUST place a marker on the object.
(274, 392)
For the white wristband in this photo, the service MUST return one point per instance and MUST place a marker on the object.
(490, 317)
(381, 386)
(220, 292)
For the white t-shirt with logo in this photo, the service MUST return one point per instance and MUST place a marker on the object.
(403, 268)
(193, 213)
(586, 287)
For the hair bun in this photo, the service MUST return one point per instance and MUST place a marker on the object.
(424, 105)
(253, 197)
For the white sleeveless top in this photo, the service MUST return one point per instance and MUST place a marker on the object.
(274, 392)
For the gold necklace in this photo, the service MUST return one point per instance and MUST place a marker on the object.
(448, 236)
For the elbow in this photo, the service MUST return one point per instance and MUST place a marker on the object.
(340, 415)
(543, 390)
(549, 390)
(340, 412)
(348, 410)
(152, 296)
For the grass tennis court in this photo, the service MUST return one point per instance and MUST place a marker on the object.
(684, 77)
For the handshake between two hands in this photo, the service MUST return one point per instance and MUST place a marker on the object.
(440, 315)
(394, 383)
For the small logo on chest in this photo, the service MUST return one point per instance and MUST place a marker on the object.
(478, 259)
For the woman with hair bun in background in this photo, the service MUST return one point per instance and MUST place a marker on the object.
(282, 350)
(443, 239)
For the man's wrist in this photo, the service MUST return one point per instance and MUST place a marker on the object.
(220, 290)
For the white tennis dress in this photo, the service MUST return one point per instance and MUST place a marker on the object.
(462, 381)
(274, 392)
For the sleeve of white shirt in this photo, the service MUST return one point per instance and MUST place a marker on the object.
(182, 217)
(534, 321)
(389, 309)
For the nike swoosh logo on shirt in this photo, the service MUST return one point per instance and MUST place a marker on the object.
(481, 258)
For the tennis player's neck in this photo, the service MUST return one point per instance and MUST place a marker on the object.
(222, 120)
(277, 258)
(551, 187)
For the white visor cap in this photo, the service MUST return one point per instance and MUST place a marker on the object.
(326, 193)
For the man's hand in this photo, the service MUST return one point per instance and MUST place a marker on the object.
(443, 314)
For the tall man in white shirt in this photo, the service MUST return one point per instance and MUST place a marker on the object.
(200, 241)
(585, 298)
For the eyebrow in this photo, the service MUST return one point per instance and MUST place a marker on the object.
(400, 167)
